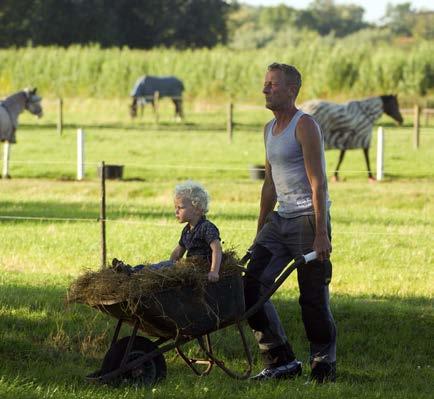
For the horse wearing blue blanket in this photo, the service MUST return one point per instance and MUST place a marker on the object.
(146, 87)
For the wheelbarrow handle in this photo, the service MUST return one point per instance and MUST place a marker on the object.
(310, 256)
(307, 257)
(246, 257)
(301, 260)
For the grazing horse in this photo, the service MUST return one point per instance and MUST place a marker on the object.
(348, 126)
(167, 86)
(10, 109)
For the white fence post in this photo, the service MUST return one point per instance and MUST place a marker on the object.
(80, 154)
(380, 153)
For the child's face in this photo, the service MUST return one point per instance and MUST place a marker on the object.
(185, 211)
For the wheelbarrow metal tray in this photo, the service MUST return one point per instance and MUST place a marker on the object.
(183, 310)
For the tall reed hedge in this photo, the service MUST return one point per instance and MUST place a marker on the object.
(330, 70)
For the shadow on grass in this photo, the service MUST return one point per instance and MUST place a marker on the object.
(74, 210)
(149, 127)
(37, 209)
(174, 126)
(381, 340)
(40, 332)
(381, 222)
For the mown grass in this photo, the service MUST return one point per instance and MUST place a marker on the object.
(382, 236)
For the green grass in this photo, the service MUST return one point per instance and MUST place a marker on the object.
(382, 292)
(331, 68)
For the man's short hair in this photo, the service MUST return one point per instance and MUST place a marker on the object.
(293, 76)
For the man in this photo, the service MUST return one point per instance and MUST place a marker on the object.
(295, 178)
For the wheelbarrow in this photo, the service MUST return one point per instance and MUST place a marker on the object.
(174, 317)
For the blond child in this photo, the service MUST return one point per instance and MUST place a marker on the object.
(199, 237)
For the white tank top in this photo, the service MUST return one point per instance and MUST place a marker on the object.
(285, 155)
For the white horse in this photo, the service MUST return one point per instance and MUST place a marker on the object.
(10, 109)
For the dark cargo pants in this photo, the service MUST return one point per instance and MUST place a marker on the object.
(280, 241)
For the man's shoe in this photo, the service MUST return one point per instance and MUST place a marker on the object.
(286, 371)
(323, 372)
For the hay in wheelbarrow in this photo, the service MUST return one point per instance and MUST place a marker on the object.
(107, 285)
(153, 294)
(167, 301)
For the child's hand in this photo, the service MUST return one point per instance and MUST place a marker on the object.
(213, 276)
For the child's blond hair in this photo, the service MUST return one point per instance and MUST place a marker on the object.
(195, 192)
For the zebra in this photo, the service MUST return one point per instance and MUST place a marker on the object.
(348, 126)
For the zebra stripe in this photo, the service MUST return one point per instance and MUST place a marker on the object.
(346, 126)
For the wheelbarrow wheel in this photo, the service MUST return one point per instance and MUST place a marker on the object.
(148, 373)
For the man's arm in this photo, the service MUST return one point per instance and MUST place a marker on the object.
(268, 197)
(309, 137)
(268, 192)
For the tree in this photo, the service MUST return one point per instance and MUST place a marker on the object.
(14, 23)
(424, 25)
(340, 19)
(277, 18)
(399, 18)
(200, 23)
(134, 23)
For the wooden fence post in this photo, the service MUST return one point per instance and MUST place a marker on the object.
(59, 116)
(102, 215)
(230, 123)
(416, 126)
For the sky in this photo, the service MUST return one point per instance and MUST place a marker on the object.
(374, 9)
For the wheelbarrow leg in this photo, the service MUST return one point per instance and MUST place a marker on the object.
(116, 334)
(130, 344)
(205, 344)
(192, 362)
(221, 364)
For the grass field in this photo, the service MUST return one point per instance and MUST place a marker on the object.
(332, 68)
(382, 289)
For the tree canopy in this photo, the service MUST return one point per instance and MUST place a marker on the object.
(133, 23)
(191, 23)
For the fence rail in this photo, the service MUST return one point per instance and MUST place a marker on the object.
(426, 113)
